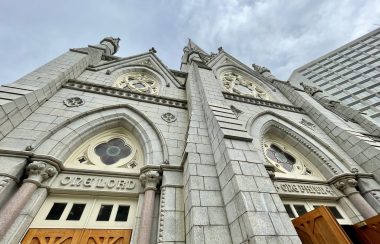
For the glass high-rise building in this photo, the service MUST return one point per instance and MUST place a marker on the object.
(350, 74)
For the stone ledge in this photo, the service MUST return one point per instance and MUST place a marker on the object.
(117, 92)
(266, 103)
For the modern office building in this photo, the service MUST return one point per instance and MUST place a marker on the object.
(96, 148)
(350, 74)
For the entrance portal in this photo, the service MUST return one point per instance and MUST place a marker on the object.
(69, 219)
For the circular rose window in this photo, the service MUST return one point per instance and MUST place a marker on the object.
(236, 83)
(112, 151)
(139, 82)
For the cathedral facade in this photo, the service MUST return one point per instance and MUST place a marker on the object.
(96, 148)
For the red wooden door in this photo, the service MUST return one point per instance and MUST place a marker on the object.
(369, 230)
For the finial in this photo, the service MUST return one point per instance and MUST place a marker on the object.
(152, 50)
(113, 41)
(220, 49)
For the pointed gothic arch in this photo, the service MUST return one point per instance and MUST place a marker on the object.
(314, 149)
(266, 88)
(65, 138)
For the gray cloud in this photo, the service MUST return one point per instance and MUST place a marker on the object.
(281, 35)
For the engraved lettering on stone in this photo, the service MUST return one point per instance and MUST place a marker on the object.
(168, 117)
(73, 102)
(303, 189)
(307, 124)
(97, 183)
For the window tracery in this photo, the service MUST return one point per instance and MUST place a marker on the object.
(288, 161)
(139, 82)
(112, 150)
(234, 82)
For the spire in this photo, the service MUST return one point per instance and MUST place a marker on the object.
(194, 47)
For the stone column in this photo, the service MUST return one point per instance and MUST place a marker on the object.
(37, 172)
(347, 186)
(149, 180)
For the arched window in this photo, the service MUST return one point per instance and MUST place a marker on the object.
(235, 82)
(112, 150)
(287, 160)
(138, 81)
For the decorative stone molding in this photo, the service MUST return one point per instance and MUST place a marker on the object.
(260, 69)
(311, 90)
(236, 83)
(162, 216)
(308, 124)
(168, 117)
(39, 171)
(122, 93)
(346, 185)
(73, 102)
(150, 179)
(4, 181)
(142, 82)
(309, 146)
(266, 103)
(236, 111)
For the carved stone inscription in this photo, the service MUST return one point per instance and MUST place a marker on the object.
(303, 189)
(96, 183)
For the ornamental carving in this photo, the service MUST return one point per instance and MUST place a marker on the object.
(112, 150)
(346, 183)
(40, 171)
(238, 84)
(236, 111)
(287, 161)
(4, 181)
(139, 82)
(150, 179)
(168, 117)
(73, 102)
(311, 90)
(308, 124)
(260, 69)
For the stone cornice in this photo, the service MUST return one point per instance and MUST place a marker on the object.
(266, 103)
(117, 92)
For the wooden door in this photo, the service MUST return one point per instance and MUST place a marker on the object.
(369, 230)
(320, 227)
(52, 236)
(95, 236)
(74, 236)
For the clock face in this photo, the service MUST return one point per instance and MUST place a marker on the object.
(238, 84)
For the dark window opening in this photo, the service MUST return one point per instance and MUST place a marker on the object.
(104, 213)
(122, 213)
(289, 211)
(76, 211)
(56, 211)
(301, 210)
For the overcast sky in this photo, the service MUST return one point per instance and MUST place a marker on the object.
(281, 35)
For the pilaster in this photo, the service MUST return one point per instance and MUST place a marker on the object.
(37, 173)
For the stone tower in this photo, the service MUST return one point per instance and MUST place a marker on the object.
(95, 146)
